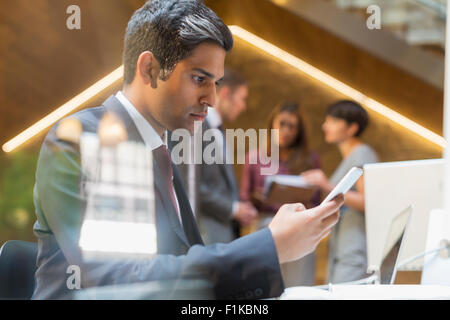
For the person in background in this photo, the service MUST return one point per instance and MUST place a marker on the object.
(220, 213)
(295, 157)
(344, 124)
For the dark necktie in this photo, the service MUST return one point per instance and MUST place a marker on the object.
(162, 157)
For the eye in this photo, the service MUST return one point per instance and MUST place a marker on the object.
(198, 79)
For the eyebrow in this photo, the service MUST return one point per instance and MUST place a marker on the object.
(206, 73)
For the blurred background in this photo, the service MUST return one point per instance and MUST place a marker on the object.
(43, 64)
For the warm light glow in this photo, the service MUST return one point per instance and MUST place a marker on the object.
(63, 110)
(261, 44)
(338, 85)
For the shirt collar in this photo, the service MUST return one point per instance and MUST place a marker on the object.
(213, 118)
(149, 135)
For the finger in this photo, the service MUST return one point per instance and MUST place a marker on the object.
(251, 220)
(298, 206)
(330, 221)
(308, 175)
(244, 222)
(325, 234)
(252, 215)
(311, 171)
(249, 216)
(329, 207)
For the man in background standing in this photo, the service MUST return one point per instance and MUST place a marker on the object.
(220, 213)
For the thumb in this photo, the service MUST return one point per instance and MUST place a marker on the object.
(299, 206)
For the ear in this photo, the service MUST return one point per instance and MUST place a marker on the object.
(148, 68)
(353, 128)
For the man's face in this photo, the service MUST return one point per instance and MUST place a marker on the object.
(185, 96)
(233, 102)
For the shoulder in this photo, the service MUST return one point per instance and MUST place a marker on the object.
(365, 153)
(87, 118)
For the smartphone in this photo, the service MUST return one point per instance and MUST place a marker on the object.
(345, 184)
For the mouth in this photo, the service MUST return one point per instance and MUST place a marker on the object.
(199, 116)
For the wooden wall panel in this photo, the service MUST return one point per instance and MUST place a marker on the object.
(43, 64)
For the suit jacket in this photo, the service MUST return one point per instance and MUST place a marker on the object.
(218, 190)
(245, 268)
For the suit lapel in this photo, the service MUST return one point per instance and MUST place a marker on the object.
(112, 104)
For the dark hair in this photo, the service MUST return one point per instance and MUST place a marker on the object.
(232, 79)
(351, 112)
(171, 30)
(300, 156)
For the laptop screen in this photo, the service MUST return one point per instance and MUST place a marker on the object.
(393, 245)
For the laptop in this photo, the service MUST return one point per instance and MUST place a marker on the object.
(393, 247)
(387, 271)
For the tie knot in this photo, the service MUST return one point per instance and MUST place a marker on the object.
(162, 154)
(162, 158)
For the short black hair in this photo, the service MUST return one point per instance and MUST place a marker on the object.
(351, 112)
(171, 30)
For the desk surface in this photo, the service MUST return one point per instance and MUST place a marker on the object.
(369, 292)
(153, 290)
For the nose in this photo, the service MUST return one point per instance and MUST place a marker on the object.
(283, 131)
(244, 107)
(209, 96)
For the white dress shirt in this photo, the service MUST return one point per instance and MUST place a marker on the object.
(149, 135)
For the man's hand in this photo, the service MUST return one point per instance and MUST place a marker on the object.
(245, 213)
(297, 231)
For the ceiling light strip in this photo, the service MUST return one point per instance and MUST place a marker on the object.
(338, 85)
(63, 110)
(276, 52)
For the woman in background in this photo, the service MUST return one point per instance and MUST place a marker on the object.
(295, 157)
(344, 123)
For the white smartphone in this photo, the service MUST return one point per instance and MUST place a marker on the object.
(345, 184)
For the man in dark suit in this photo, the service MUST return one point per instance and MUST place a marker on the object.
(173, 57)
